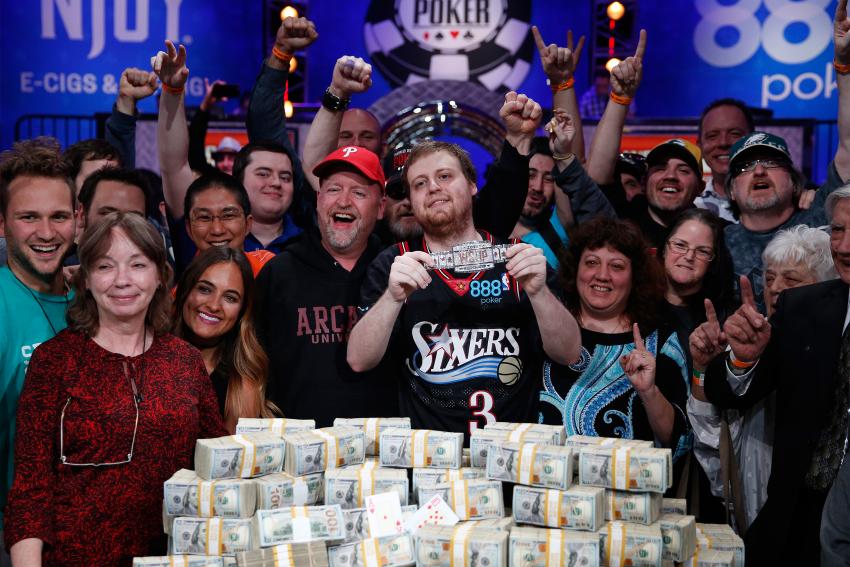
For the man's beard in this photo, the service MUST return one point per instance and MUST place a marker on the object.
(24, 262)
(446, 223)
(343, 240)
(402, 230)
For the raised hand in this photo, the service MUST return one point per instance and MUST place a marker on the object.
(562, 132)
(408, 274)
(627, 74)
(841, 36)
(351, 75)
(521, 116)
(136, 83)
(170, 66)
(527, 265)
(708, 340)
(639, 364)
(559, 63)
(747, 330)
(209, 98)
(294, 34)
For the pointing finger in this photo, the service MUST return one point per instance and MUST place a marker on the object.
(638, 339)
(579, 47)
(710, 313)
(538, 39)
(641, 46)
(747, 295)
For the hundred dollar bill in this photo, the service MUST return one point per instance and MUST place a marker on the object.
(576, 442)
(465, 461)
(178, 561)
(624, 543)
(372, 428)
(229, 561)
(722, 537)
(539, 429)
(680, 536)
(470, 499)
(539, 547)
(461, 545)
(281, 490)
(187, 494)
(299, 524)
(429, 477)
(212, 536)
(410, 448)
(548, 466)
(577, 508)
(481, 439)
(350, 487)
(674, 506)
(506, 524)
(387, 551)
(277, 426)
(238, 456)
(312, 554)
(357, 522)
(635, 469)
(638, 507)
(710, 558)
(323, 449)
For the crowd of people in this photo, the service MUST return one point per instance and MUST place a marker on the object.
(613, 294)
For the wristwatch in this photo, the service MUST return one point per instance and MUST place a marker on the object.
(473, 256)
(333, 102)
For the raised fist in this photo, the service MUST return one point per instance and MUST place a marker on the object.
(351, 75)
(294, 34)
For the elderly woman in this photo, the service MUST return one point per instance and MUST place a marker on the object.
(111, 408)
(794, 257)
(630, 381)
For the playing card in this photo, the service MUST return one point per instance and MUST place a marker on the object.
(384, 514)
(434, 512)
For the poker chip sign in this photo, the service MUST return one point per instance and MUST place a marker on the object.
(486, 41)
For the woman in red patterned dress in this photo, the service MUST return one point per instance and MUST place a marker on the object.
(111, 408)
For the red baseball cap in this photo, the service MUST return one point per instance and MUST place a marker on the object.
(361, 159)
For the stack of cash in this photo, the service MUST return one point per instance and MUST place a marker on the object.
(186, 494)
(429, 477)
(576, 442)
(357, 522)
(238, 456)
(323, 449)
(386, 551)
(577, 508)
(531, 547)
(277, 426)
(711, 558)
(547, 466)
(722, 537)
(680, 536)
(638, 507)
(454, 546)
(635, 469)
(411, 448)
(556, 432)
(470, 499)
(481, 439)
(372, 428)
(350, 487)
(506, 524)
(212, 536)
(179, 561)
(368, 463)
(625, 543)
(281, 490)
(312, 554)
(674, 506)
(299, 524)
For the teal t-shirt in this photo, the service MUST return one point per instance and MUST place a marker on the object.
(536, 239)
(23, 326)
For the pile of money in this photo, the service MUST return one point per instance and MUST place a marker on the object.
(635, 469)
(357, 522)
(299, 524)
(178, 561)
(186, 494)
(674, 506)
(350, 487)
(238, 456)
(555, 432)
(481, 439)
(429, 477)
(547, 466)
(312, 554)
(506, 524)
(454, 546)
(281, 490)
(638, 507)
(680, 536)
(470, 499)
(386, 551)
(322, 449)
(576, 442)
(722, 537)
(533, 547)
(625, 543)
(212, 536)
(277, 426)
(577, 508)
(411, 448)
(711, 558)
(372, 428)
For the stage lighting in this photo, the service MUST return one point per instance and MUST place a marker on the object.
(613, 62)
(293, 64)
(615, 10)
(291, 12)
(288, 109)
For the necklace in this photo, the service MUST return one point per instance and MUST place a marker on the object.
(38, 302)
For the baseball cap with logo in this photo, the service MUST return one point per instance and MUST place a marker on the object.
(676, 148)
(394, 171)
(360, 159)
(757, 140)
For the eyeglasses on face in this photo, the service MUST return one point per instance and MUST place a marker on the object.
(682, 248)
(750, 166)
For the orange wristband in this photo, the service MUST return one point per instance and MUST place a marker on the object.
(283, 56)
(568, 84)
(841, 68)
(172, 90)
(624, 100)
(740, 364)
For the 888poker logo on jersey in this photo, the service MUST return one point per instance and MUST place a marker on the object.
(487, 41)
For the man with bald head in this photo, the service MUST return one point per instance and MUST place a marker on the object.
(360, 127)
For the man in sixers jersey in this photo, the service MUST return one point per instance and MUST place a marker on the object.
(466, 344)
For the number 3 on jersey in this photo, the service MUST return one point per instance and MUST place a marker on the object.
(481, 404)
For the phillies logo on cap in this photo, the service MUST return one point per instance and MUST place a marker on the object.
(348, 150)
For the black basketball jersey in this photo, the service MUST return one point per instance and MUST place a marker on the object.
(467, 347)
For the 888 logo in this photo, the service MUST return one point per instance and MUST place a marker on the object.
(486, 288)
